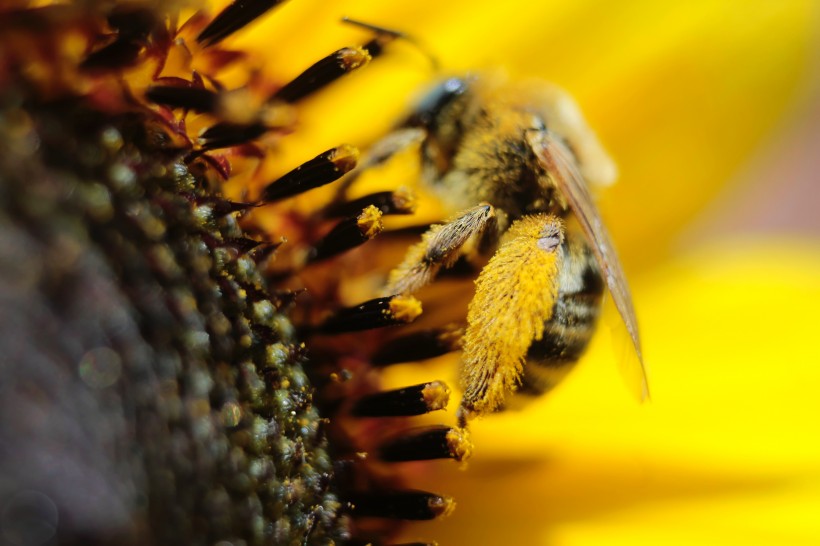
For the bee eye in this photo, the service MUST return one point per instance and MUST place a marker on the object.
(437, 100)
(454, 86)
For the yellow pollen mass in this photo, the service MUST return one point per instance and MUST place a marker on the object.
(460, 444)
(515, 295)
(436, 395)
(405, 308)
(370, 222)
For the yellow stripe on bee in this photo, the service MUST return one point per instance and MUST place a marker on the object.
(515, 295)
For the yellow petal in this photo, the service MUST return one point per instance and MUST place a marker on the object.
(727, 452)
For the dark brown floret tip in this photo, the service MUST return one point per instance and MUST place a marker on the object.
(226, 134)
(420, 345)
(120, 53)
(427, 443)
(407, 401)
(348, 234)
(362, 542)
(375, 313)
(322, 169)
(235, 16)
(399, 201)
(404, 505)
(322, 73)
(193, 98)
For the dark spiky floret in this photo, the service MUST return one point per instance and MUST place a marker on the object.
(141, 401)
(153, 389)
(235, 16)
(113, 278)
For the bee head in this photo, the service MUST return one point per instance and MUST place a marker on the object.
(436, 102)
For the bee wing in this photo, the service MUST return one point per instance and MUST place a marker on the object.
(555, 157)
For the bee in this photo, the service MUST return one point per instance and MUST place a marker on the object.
(514, 162)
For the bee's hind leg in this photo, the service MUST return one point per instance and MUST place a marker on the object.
(440, 246)
(515, 297)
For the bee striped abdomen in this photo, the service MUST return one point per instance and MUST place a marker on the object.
(568, 332)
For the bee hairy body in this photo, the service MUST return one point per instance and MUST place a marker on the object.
(512, 163)
(476, 152)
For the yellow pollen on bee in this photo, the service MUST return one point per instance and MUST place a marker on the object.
(515, 295)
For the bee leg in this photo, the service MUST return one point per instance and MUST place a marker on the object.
(380, 152)
(440, 247)
(515, 296)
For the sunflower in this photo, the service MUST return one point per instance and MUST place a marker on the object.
(681, 96)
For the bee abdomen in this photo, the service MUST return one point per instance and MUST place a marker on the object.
(568, 332)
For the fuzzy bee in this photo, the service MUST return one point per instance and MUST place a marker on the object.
(513, 162)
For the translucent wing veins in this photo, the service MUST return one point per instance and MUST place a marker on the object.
(555, 157)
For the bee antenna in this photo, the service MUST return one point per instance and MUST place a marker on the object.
(392, 34)
(375, 28)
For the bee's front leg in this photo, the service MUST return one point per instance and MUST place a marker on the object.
(515, 295)
(440, 247)
(393, 143)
